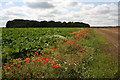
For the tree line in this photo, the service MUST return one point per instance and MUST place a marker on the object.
(21, 23)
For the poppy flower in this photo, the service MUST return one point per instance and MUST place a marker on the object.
(19, 58)
(77, 52)
(58, 56)
(38, 73)
(12, 65)
(80, 59)
(39, 60)
(45, 62)
(18, 65)
(33, 60)
(50, 61)
(41, 65)
(55, 66)
(83, 49)
(8, 68)
(27, 59)
(59, 65)
(46, 59)
(36, 53)
(82, 74)
(43, 58)
(53, 62)
(56, 49)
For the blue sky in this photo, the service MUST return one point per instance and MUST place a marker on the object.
(95, 13)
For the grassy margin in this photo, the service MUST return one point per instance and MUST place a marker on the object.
(104, 65)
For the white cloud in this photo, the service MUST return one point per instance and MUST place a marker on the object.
(9, 3)
(63, 10)
(0, 4)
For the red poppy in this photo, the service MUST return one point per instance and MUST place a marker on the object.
(77, 52)
(46, 59)
(81, 59)
(83, 49)
(82, 74)
(43, 58)
(59, 65)
(18, 65)
(39, 55)
(50, 61)
(58, 56)
(55, 66)
(19, 58)
(38, 73)
(36, 53)
(53, 62)
(33, 60)
(27, 59)
(39, 60)
(8, 68)
(45, 62)
(12, 65)
(41, 65)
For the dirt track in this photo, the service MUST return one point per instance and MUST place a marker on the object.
(111, 34)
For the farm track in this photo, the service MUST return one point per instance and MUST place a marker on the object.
(110, 34)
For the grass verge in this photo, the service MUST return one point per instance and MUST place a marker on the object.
(104, 65)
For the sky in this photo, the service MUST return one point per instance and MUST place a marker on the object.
(93, 12)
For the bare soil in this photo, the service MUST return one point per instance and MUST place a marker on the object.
(111, 34)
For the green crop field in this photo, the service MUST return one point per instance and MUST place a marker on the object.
(55, 53)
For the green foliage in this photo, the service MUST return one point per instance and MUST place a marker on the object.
(17, 42)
